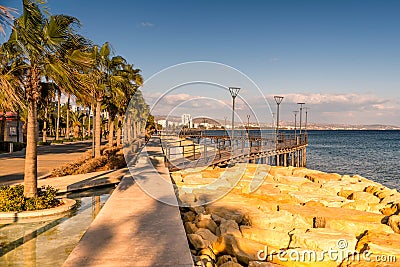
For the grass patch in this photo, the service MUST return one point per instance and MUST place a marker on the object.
(12, 199)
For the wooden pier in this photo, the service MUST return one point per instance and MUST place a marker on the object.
(194, 149)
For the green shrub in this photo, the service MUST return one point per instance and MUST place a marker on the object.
(12, 199)
(41, 143)
(57, 141)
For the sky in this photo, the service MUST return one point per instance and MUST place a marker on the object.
(342, 57)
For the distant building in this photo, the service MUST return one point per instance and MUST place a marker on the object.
(187, 120)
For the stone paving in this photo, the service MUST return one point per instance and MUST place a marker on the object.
(134, 229)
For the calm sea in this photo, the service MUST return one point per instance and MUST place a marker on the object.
(372, 154)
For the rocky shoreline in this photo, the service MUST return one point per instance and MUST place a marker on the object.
(294, 218)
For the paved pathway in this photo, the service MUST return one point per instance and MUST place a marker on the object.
(49, 157)
(134, 229)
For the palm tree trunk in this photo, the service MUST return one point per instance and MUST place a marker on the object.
(110, 132)
(67, 130)
(44, 131)
(97, 134)
(58, 115)
(134, 130)
(30, 178)
(119, 129)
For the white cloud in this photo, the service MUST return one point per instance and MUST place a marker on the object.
(146, 24)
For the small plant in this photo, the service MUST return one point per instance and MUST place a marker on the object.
(57, 141)
(41, 143)
(12, 199)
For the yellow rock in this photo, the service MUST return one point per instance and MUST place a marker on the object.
(364, 196)
(380, 243)
(272, 238)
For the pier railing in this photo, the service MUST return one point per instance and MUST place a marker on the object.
(194, 148)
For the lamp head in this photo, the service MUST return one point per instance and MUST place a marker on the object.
(234, 91)
(278, 99)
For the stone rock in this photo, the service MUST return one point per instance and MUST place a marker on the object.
(395, 198)
(211, 173)
(345, 193)
(353, 179)
(314, 204)
(230, 227)
(372, 189)
(394, 223)
(188, 216)
(231, 264)
(207, 235)
(207, 224)
(390, 209)
(280, 220)
(198, 209)
(357, 227)
(227, 212)
(302, 258)
(244, 250)
(190, 228)
(186, 199)
(385, 192)
(322, 177)
(197, 241)
(322, 239)
(369, 198)
(380, 243)
(291, 180)
(272, 238)
(209, 253)
(225, 258)
(284, 171)
(326, 200)
(217, 219)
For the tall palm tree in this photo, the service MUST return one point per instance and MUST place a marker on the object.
(77, 122)
(38, 43)
(6, 16)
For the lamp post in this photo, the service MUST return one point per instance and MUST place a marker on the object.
(234, 92)
(295, 124)
(301, 114)
(278, 100)
(305, 126)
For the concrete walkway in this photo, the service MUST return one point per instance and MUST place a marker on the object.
(134, 229)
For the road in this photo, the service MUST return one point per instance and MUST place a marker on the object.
(49, 157)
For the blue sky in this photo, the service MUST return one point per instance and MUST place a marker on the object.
(341, 57)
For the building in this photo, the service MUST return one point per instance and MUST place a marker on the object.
(10, 127)
(187, 120)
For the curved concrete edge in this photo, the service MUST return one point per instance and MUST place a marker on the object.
(67, 205)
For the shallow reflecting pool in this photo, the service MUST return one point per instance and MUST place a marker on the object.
(48, 243)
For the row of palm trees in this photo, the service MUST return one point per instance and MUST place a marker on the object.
(45, 56)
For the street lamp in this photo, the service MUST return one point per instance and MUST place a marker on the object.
(248, 122)
(278, 100)
(234, 92)
(295, 124)
(305, 126)
(301, 113)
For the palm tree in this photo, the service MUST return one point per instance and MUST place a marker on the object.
(77, 122)
(5, 17)
(38, 43)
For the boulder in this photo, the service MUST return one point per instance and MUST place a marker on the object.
(369, 198)
(190, 228)
(230, 227)
(244, 250)
(313, 204)
(345, 193)
(207, 224)
(322, 239)
(326, 200)
(380, 243)
(230, 264)
(394, 223)
(188, 216)
(225, 258)
(390, 209)
(273, 238)
(280, 220)
(322, 177)
(197, 241)
(207, 235)
(229, 212)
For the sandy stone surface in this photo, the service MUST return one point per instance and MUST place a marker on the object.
(294, 211)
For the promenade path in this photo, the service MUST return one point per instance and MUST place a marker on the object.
(49, 157)
(134, 229)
